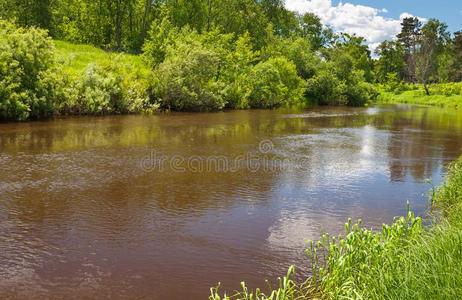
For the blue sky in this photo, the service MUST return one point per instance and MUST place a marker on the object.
(449, 11)
(378, 20)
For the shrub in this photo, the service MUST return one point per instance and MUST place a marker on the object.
(109, 88)
(26, 73)
(394, 84)
(275, 83)
(187, 79)
(297, 50)
(448, 89)
(325, 89)
(100, 92)
(357, 92)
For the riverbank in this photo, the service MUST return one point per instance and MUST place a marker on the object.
(444, 95)
(181, 71)
(405, 260)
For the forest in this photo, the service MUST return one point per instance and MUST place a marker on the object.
(207, 55)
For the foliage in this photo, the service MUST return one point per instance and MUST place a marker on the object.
(26, 73)
(418, 97)
(206, 55)
(288, 290)
(313, 30)
(390, 65)
(449, 196)
(186, 80)
(447, 89)
(97, 82)
(160, 37)
(275, 83)
(443, 94)
(339, 82)
(33, 87)
(104, 89)
(209, 71)
(239, 64)
(433, 38)
(298, 50)
(325, 89)
(358, 265)
(456, 52)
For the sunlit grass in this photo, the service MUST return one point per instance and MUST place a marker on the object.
(75, 58)
(437, 97)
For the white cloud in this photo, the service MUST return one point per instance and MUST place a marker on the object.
(361, 20)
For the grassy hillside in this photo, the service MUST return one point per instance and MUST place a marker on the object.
(75, 59)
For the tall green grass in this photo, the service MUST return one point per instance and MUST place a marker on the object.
(405, 260)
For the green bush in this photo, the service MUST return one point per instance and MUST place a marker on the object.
(275, 83)
(394, 84)
(105, 89)
(358, 92)
(447, 89)
(325, 89)
(100, 92)
(297, 50)
(187, 79)
(26, 73)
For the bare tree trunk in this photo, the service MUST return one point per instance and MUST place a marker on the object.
(427, 91)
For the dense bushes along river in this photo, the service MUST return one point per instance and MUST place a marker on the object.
(179, 70)
(183, 70)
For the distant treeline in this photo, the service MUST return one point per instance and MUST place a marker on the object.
(205, 55)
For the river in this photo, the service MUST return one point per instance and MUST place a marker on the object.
(166, 206)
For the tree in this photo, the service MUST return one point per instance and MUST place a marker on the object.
(357, 50)
(239, 64)
(456, 68)
(296, 49)
(284, 22)
(390, 61)
(27, 12)
(409, 37)
(313, 30)
(432, 42)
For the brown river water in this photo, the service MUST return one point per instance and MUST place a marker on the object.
(164, 207)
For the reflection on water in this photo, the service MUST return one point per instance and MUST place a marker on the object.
(81, 218)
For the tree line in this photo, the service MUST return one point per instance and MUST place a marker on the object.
(422, 53)
(205, 55)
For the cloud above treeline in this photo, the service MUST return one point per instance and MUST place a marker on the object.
(361, 20)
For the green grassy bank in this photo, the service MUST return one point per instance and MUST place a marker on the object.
(75, 58)
(405, 260)
(445, 95)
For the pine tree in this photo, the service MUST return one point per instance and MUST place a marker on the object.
(409, 36)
